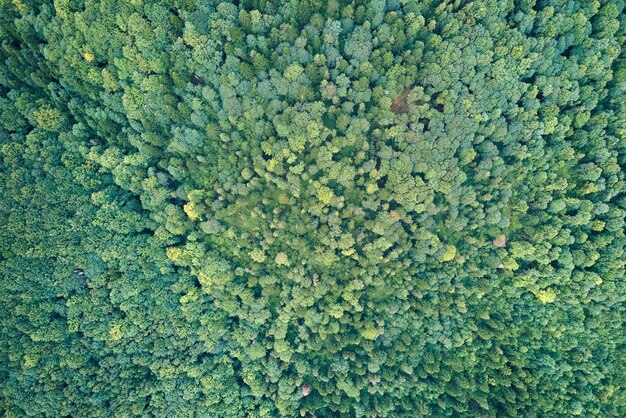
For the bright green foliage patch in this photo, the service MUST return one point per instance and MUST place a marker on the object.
(312, 208)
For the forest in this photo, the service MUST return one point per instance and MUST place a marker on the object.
(312, 208)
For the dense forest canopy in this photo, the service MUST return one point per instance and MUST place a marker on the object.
(265, 208)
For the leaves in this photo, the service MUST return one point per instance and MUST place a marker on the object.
(268, 208)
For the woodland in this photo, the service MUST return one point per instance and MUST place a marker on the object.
(312, 208)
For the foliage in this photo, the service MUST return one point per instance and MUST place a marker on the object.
(279, 208)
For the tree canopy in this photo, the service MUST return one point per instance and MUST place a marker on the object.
(360, 208)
